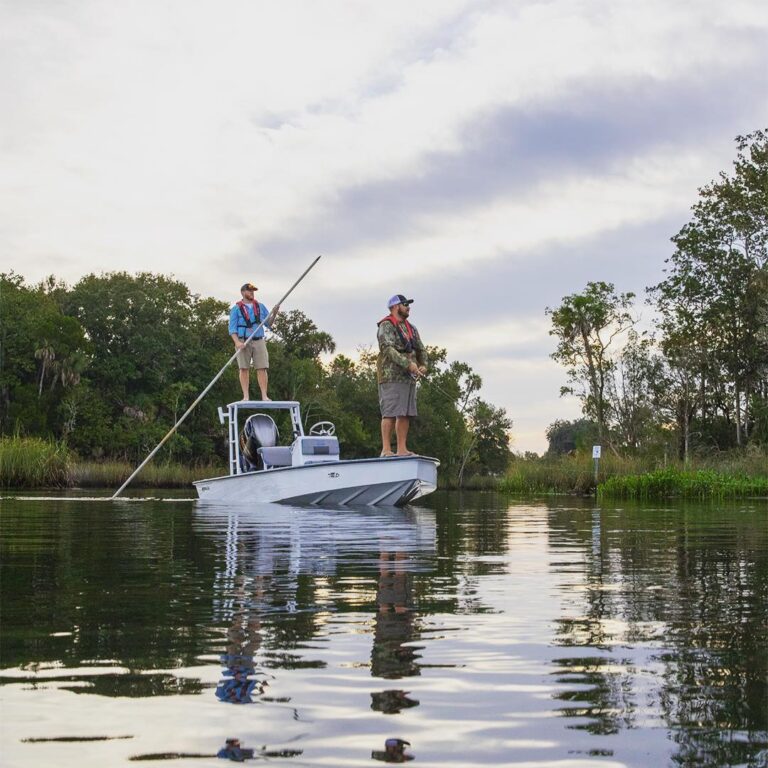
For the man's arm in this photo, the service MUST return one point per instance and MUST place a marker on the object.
(267, 316)
(387, 338)
(421, 352)
(233, 327)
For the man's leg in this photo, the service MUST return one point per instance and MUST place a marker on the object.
(262, 376)
(401, 430)
(387, 423)
(245, 382)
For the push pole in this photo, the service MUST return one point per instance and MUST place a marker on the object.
(207, 389)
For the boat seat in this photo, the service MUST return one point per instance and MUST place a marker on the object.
(277, 456)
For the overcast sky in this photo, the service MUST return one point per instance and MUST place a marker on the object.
(486, 158)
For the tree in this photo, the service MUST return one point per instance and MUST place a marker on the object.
(488, 451)
(568, 436)
(586, 326)
(34, 336)
(46, 354)
(153, 344)
(124, 355)
(632, 391)
(300, 335)
(712, 300)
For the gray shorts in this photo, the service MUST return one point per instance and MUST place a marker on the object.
(255, 352)
(397, 398)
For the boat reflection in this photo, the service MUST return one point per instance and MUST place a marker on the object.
(286, 572)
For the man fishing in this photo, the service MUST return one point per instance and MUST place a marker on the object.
(244, 316)
(401, 362)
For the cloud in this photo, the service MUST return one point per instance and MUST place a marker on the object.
(513, 151)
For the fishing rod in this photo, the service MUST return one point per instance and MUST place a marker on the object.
(423, 377)
(208, 388)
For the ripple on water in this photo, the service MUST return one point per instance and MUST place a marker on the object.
(485, 633)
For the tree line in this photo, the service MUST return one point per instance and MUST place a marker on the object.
(108, 364)
(700, 381)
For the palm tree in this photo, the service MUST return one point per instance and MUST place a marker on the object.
(46, 354)
(72, 369)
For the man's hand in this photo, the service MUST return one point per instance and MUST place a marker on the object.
(239, 344)
(423, 370)
(414, 370)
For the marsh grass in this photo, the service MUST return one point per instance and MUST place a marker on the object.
(566, 474)
(471, 483)
(30, 462)
(723, 475)
(684, 484)
(112, 474)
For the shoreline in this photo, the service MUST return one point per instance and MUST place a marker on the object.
(35, 464)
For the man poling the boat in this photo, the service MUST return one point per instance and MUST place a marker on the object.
(401, 362)
(244, 316)
(205, 391)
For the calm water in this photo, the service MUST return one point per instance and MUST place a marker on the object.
(483, 631)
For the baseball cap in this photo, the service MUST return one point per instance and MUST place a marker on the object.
(248, 287)
(398, 298)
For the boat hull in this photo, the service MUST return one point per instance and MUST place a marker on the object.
(392, 481)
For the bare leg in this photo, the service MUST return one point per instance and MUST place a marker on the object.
(245, 382)
(401, 430)
(262, 376)
(387, 424)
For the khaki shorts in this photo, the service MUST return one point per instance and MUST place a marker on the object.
(255, 352)
(397, 398)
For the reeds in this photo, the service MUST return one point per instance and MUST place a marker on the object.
(676, 483)
(30, 462)
(565, 474)
(112, 474)
(725, 475)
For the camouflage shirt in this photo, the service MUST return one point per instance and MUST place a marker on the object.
(392, 363)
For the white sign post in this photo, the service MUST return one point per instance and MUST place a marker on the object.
(596, 452)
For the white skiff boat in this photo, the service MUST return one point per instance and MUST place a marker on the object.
(309, 470)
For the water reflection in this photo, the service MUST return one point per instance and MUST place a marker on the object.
(675, 600)
(393, 656)
(393, 752)
(291, 567)
(536, 632)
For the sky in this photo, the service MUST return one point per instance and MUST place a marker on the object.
(484, 158)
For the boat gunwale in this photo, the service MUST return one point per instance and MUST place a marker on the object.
(319, 464)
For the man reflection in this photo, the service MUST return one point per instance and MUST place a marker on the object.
(391, 658)
(393, 752)
(240, 683)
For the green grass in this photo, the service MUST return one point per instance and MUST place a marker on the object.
(565, 474)
(29, 462)
(112, 474)
(471, 483)
(724, 475)
(676, 483)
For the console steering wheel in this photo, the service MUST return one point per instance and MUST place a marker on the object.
(323, 429)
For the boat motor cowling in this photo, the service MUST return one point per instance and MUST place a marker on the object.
(259, 431)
